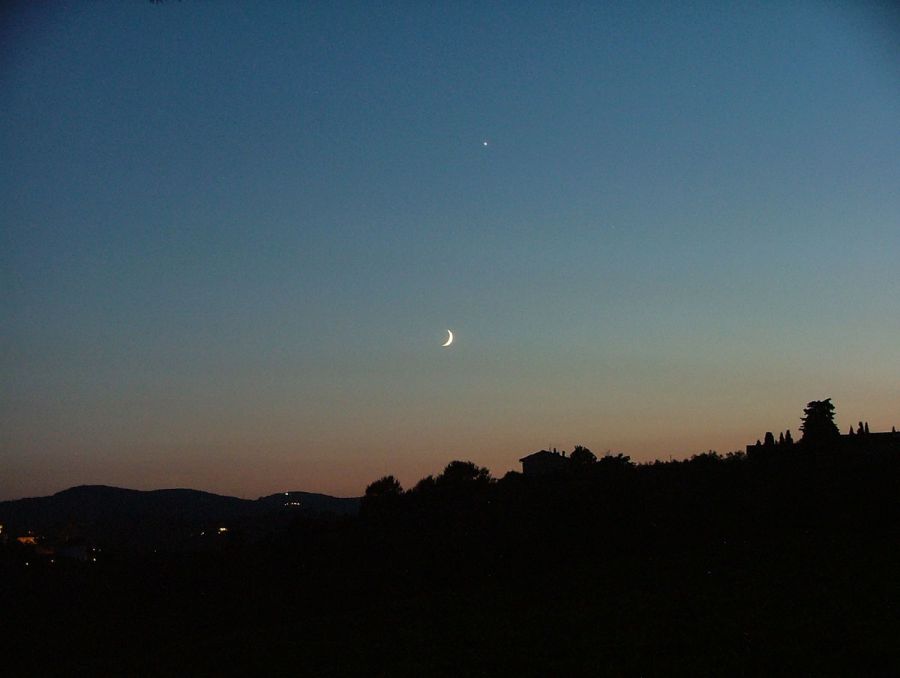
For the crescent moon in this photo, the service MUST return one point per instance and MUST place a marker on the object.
(449, 339)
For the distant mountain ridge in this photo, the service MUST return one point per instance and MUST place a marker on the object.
(115, 515)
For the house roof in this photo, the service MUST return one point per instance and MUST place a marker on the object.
(541, 454)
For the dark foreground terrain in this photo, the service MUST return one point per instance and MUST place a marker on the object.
(780, 564)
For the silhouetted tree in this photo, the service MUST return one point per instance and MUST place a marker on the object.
(614, 460)
(770, 439)
(708, 457)
(850, 432)
(781, 438)
(818, 422)
(788, 438)
(388, 486)
(866, 428)
(425, 485)
(859, 430)
(382, 496)
(463, 472)
(582, 456)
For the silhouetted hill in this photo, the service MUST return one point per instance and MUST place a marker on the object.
(781, 563)
(169, 518)
(312, 501)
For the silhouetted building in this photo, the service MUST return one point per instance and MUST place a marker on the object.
(544, 463)
(861, 440)
(881, 441)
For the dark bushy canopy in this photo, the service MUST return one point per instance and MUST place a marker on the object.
(463, 472)
(582, 456)
(818, 422)
(388, 486)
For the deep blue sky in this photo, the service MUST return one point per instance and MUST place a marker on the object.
(234, 234)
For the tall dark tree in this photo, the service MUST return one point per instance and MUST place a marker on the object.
(582, 456)
(818, 422)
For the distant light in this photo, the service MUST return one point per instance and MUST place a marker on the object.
(286, 494)
(223, 530)
(94, 560)
(27, 563)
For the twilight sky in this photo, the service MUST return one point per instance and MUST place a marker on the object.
(233, 235)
